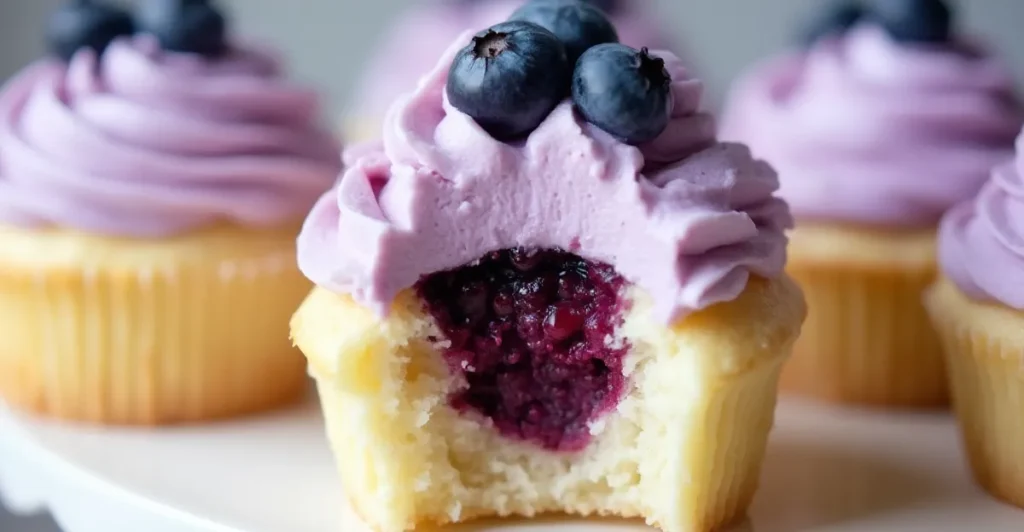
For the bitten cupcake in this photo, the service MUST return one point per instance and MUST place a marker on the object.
(527, 308)
(153, 176)
(883, 123)
(422, 33)
(978, 308)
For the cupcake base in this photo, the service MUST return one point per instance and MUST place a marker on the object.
(868, 339)
(984, 345)
(126, 331)
(682, 450)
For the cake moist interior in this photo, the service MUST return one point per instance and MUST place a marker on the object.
(533, 333)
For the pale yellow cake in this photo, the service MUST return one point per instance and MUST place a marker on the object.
(682, 450)
(984, 346)
(149, 331)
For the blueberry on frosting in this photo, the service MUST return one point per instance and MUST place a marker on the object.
(623, 91)
(86, 24)
(189, 26)
(578, 24)
(837, 18)
(509, 78)
(915, 21)
(608, 6)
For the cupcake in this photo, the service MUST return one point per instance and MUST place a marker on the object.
(525, 308)
(883, 123)
(978, 308)
(152, 183)
(422, 33)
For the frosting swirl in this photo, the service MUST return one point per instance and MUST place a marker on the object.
(423, 33)
(864, 129)
(981, 241)
(686, 218)
(147, 143)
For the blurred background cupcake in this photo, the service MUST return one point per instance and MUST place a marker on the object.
(409, 48)
(326, 42)
(153, 174)
(886, 118)
(978, 308)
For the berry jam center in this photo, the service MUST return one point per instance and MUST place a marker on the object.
(532, 333)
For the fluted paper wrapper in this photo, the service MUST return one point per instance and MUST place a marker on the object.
(127, 332)
(984, 347)
(867, 339)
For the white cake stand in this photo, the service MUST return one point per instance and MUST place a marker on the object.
(827, 470)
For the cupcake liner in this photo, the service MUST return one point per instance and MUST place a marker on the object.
(868, 339)
(984, 348)
(683, 449)
(726, 449)
(148, 333)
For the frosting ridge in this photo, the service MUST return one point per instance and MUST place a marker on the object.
(867, 130)
(981, 241)
(143, 142)
(685, 217)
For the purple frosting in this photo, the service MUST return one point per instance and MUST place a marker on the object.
(981, 241)
(144, 142)
(686, 218)
(864, 129)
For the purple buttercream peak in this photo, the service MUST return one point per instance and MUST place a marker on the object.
(144, 142)
(864, 129)
(685, 218)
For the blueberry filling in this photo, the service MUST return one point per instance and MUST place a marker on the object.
(532, 334)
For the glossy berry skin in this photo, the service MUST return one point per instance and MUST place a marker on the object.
(625, 92)
(86, 24)
(579, 25)
(509, 78)
(915, 21)
(188, 26)
(836, 20)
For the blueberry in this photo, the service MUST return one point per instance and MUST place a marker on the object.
(608, 6)
(915, 21)
(837, 19)
(579, 25)
(509, 78)
(86, 24)
(623, 91)
(189, 26)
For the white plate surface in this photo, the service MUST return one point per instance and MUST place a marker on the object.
(827, 469)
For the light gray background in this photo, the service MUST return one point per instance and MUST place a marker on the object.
(328, 40)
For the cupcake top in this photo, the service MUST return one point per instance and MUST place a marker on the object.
(891, 122)
(679, 214)
(421, 34)
(160, 132)
(981, 241)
